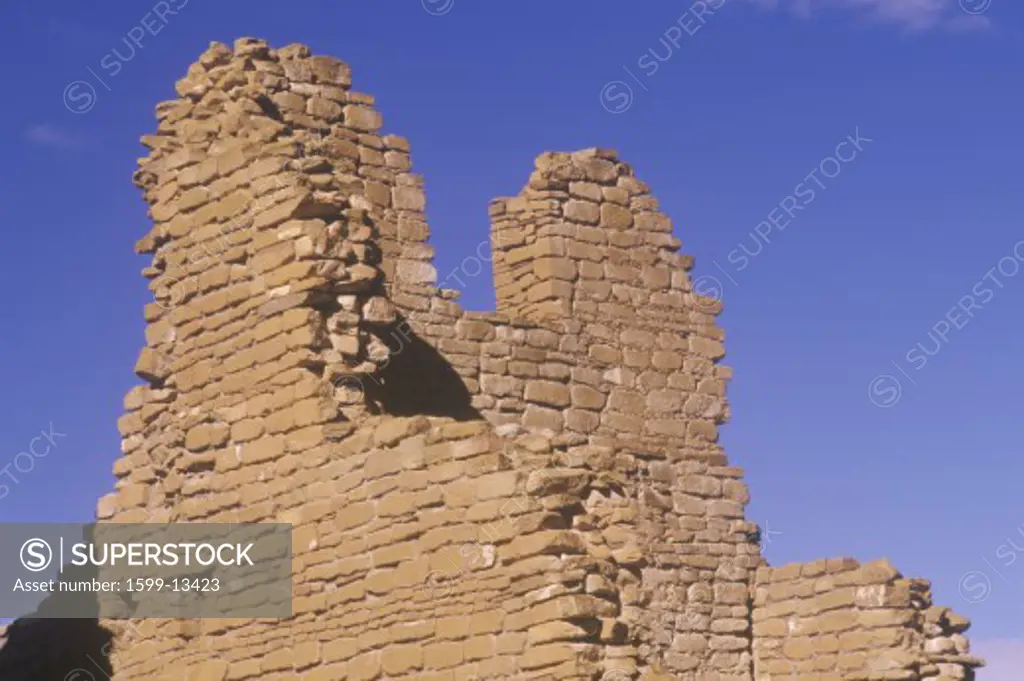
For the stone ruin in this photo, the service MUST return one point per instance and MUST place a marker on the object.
(532, 493)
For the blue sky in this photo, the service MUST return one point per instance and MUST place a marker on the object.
(851, 444)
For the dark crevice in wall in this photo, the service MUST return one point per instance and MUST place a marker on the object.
(417, 379)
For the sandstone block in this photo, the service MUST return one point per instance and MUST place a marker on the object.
(583, 212)
(362, 118)
(615, 217)
(548, 393)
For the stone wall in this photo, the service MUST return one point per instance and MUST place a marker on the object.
(837, 619)
(536, 492)
(601, 343)
(421, 546)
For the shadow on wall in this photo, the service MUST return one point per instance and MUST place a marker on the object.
(418, 380)
(37, 649)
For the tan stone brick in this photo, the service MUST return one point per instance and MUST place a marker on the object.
(585, 212)
(597, 169)
(585, 397)
(615, 217)
(249, 429)
(592, 235)
(582, 421)
(548, 393)
(364, 667)
(289, 101)
(394, 430)
(211, 670)
(133, 495)
(362, 118)
(543, 418)
(495, 485)
(475, 330)
(277, 660)
(323, 108)
(442, 655)
(546, 655)
(549, 289)
(151, 366)
(263, 449)
(241, 669)
(486, 622)
(354, 515)
(479, 648)
(401, 659)
(557, 268)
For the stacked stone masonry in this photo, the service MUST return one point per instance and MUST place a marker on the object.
(534, 493)
(837, 619)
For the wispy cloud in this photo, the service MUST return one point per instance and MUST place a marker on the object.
(49, 136)
(915, 15)
(1005, 659)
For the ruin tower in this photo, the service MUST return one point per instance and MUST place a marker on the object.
(533, 493)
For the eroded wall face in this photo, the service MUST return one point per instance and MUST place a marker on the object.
(673, 517)
(537, 492)
(422, 546)
(599, 341)
(839, 620)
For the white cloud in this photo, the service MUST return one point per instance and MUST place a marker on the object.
(49, 136)
(915, 15)
(1005, 659)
